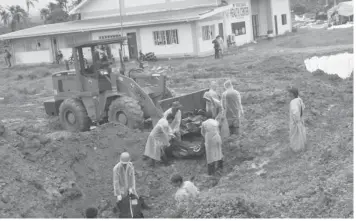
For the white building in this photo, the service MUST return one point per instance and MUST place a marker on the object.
(169, 28)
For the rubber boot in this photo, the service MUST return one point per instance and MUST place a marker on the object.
(211, 169)
(152, 163)
(220, 165)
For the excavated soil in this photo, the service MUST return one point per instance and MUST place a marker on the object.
(47, 172)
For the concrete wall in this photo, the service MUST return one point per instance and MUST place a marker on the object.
(240, 39)
(23, 55)
(184, 48)
(263, 7)
(115, 47)
(96, 8)
(205, 46)
(280, 7)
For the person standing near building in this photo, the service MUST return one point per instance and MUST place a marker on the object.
(213, 145)
(297, 131)
(124, 177)
(8, 58)
(231, 102)
(221, 46)
(216, 44)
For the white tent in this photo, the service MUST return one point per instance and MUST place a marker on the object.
(343, 8)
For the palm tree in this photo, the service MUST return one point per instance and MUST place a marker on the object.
(44, 13)
(63, 4)
(5, 16)
(18, 15)
(30, 3)
(52, 6)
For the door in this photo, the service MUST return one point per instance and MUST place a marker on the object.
(132, 44)
(255, 26)
(54, 44)
(276, 24)
(221, 30)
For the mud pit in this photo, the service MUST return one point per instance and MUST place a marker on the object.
(60, 176)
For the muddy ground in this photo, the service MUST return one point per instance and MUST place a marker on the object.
(47, 172)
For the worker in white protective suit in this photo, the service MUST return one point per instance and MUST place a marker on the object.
(231, 102)
(213, 145)
(176, 112)
(218, 113)
(124, 177)
(208, 96)
(185, 194)
(159, 139)
(297, 131)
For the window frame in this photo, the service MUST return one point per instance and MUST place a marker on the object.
(166, 37)
(38, 44)
(211, 29)
(284, 19)
(244, 26)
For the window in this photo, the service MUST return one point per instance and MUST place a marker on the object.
(208, 32)
(167, 37)
(37, 45)
(284, 19)
(238, 28)
(19, 46)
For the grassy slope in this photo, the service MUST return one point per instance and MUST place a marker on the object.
(288, 186)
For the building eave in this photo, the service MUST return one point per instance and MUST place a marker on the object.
(76, 8)
(104, 27)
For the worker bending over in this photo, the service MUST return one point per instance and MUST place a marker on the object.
(297, 131)
(213, 145)
(215, 111)
(176, 112)
(159, 139)
(231, 102)
(186, 192)
(124, 177)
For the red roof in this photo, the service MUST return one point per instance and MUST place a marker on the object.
(163, 17)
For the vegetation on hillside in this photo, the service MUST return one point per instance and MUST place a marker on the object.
(300, 7)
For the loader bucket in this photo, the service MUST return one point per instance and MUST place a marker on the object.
(189, 102)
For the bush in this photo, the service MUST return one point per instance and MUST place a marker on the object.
(299, 9)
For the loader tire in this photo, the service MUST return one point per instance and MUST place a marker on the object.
(126, 110)
(73, 115)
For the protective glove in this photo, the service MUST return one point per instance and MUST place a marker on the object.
(119, 198)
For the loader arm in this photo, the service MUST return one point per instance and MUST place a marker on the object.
(132, 89)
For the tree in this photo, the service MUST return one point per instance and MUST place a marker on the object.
(30, 3)
(18, 16)
(63, 4)
(55, 12)
(44, 13)
(5, 16)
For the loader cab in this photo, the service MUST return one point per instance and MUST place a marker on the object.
(95, 63)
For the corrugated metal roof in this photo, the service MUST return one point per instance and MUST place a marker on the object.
(162, 17)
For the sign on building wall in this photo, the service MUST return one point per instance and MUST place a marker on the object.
(238, 10)
(108, 36)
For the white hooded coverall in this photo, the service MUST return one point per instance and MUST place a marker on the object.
(175, 125)
(211, 102)
(158, 139)
(297, 130)
(124, 179)
(231, 102)
(187, 192)
(213, 143)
